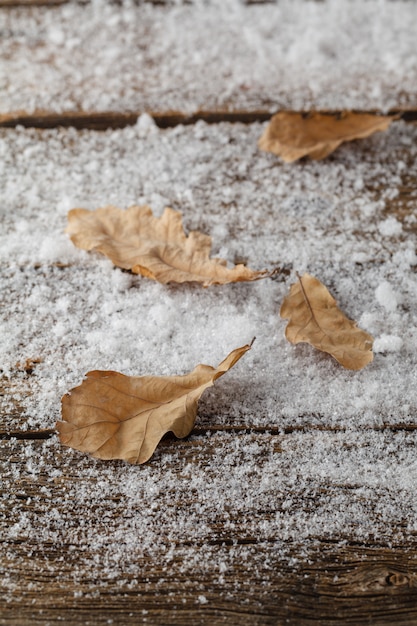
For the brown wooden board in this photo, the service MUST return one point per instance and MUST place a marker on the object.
(303, 517)
(75, 559)
(75, 58)
(84, 541)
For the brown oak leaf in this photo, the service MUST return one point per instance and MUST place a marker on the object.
(315, 318)
(113, 416)
(294, 135)
(154, 247)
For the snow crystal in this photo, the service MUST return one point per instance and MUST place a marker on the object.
(390, 227)
(145, 125)
(202, 599)
(405, 258)
(386, 296)
(387, 343)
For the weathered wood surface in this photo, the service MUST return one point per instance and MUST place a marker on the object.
(90, 542)
(60, 580)
(54, 573)
(93, 58)
(95, 543)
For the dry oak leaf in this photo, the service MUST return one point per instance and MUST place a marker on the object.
(294, 135)
(315, 318)
(154, 247)
(113, 416)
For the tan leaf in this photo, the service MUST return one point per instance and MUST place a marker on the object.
(113, 416)
(154, 247)
(294, 135)
(315, 318)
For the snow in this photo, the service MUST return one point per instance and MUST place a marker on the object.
(77, 312)
(390, 227)
(388, 343)
(202, 599)
(335, 472)
(386, 296)
(341, 462)
(337, 485)
(101, 56)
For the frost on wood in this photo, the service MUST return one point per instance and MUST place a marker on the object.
(113, 416)
(315, 318)
(295, 135)
(322, 218)
(327, 55)
(154, 247)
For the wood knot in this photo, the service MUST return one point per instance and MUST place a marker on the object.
(396, 579)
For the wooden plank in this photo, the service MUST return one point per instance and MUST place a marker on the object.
(380, 589)
(21, 389)
(84, 540)
(69, 566)
(270, 67)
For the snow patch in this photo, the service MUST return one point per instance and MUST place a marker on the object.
(387, 343)
(386, 296)
(390, 227)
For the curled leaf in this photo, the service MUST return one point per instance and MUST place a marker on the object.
(294, 135)
(315, 318)
(154, 247)
(113, 416)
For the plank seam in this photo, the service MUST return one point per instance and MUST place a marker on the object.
(167, 119)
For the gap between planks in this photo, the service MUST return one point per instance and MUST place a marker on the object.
(47, 433)
(166, 119)
(44, 3)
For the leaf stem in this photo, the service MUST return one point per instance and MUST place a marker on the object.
(307, 301)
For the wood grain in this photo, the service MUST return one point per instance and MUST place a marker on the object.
(53, 572)
(266, 582)
(381, 591)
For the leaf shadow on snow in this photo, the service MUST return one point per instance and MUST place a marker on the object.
(231, 404)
